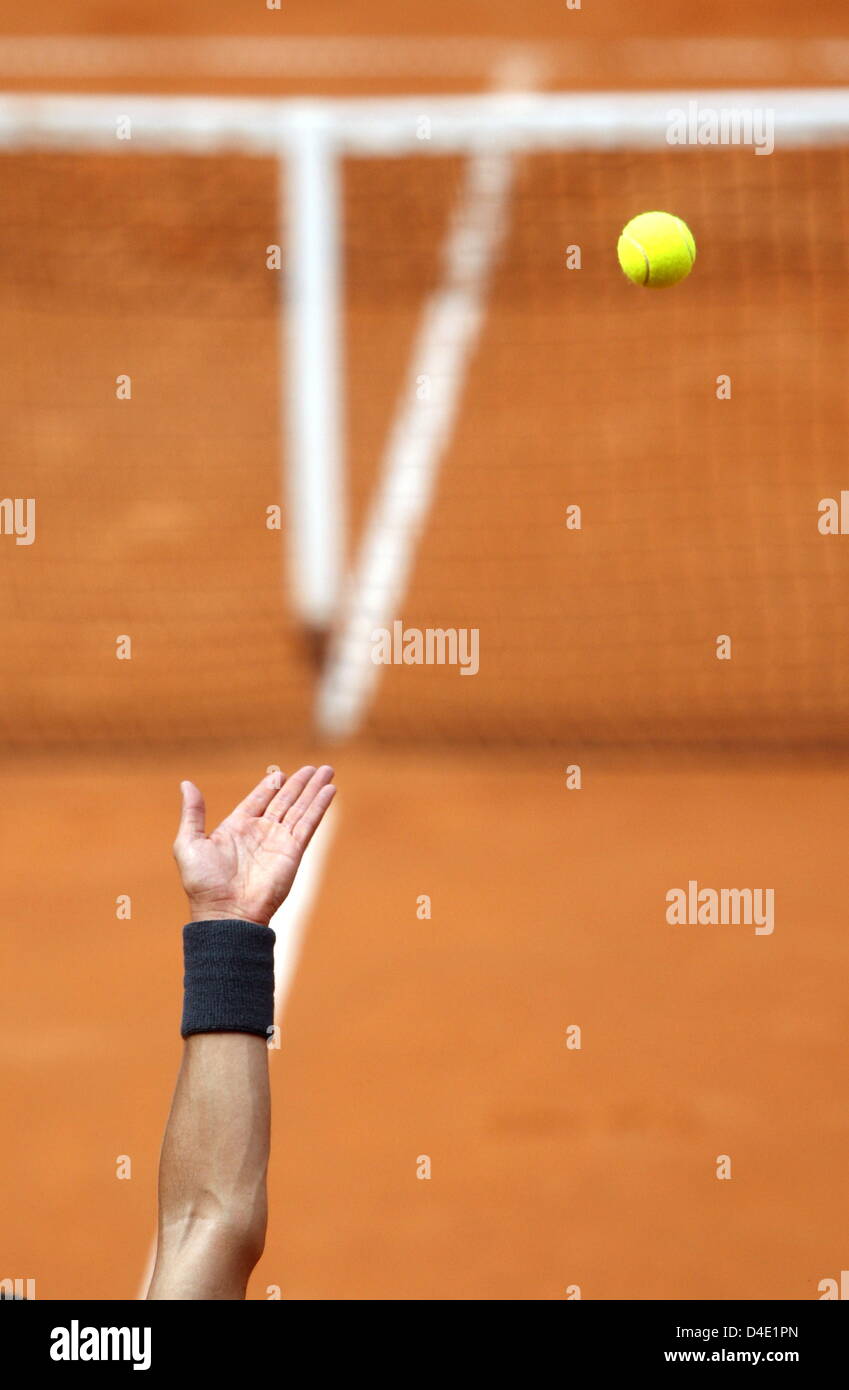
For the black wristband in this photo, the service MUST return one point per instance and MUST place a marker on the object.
(229, 978)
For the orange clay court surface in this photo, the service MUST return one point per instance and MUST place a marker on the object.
(446, 1037)
(403, 1037)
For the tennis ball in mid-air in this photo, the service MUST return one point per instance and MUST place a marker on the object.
(656, 250)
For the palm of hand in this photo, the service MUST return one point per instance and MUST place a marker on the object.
(248, 861)
(246, 867)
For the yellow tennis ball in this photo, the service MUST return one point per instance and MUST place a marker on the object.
(656, 250)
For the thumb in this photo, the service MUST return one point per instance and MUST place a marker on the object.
(193, 812)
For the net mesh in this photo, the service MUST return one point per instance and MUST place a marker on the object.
(151, 511)
(699, 515)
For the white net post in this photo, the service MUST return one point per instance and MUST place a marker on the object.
(311, 359)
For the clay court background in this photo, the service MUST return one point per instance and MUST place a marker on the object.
(444, 1037)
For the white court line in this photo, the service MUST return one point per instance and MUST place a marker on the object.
(290, 924)
(421, 429)
(290, 920)
(392, 56)
(297, 56)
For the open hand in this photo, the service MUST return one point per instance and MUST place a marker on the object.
(246, 867)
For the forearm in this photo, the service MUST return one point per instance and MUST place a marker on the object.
(212, 1175)
(212, 1193)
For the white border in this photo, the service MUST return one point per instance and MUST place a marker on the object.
(393, 125)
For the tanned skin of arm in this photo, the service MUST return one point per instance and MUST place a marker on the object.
(212, 1204)
(212, 1172)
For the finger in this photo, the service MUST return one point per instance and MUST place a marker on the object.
(320, 778)
(312, 817)
(193, 812)
(256, 801)
(289, 793)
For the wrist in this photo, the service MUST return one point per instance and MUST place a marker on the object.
(202, 912)
(228, 977)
